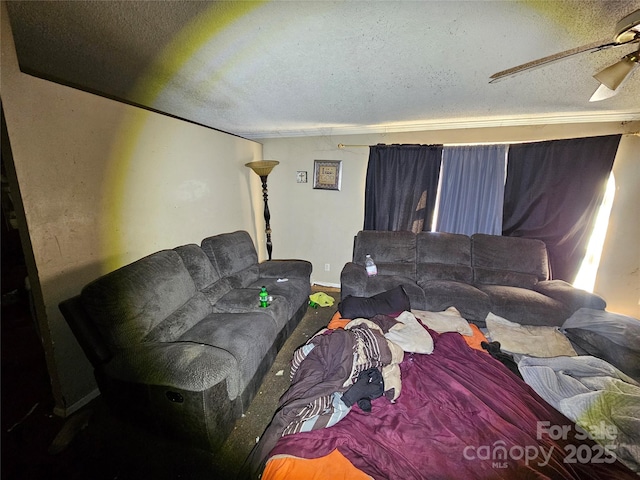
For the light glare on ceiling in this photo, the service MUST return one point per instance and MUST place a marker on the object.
(602, 93)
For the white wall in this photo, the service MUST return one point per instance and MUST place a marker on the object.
(319, 225)
(103, 184)
(619, 274)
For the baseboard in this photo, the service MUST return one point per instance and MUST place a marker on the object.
(327, 284)
(71, 409)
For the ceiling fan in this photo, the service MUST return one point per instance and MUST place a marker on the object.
(627, 31)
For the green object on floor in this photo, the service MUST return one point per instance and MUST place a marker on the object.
(321, 299)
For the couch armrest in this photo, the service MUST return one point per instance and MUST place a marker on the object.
(572, 297)
(188, 366)
(86, 333)
(353, 280)
(285, 269)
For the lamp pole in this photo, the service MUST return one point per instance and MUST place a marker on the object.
(267, 215)
(263, 168)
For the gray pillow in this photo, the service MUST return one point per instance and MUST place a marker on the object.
(612, 337)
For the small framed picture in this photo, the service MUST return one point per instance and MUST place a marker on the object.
(327, 174)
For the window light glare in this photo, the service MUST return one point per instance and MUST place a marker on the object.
(586, 277)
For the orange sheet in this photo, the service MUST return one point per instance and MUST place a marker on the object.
(476, 339)
(337, 321)
(331, 467)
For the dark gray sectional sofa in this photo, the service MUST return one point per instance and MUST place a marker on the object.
(178, 339)
(507, 276)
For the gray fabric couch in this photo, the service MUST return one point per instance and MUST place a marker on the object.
(178, 340)
(508, 276)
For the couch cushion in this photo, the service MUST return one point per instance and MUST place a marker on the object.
(566, 293)
(132, 301)
(247, 336)
(443, 256)
(200, 267)
(439, 295)
(512, 261)
(525, 306)
(185, 317)
(295, 290)
(442, 271)
(204, 273)
(393, 252)
(188, 366)
(610, 336)
(247, 300)
(234, 256)
(490, 276)
(217, 290)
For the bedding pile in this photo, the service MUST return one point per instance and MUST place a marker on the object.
(325, 373)
(601, 399)
(451, 411)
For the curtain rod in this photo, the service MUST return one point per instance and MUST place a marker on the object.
(343, 146)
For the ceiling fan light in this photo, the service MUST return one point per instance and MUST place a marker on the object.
(628, 27)
(602, 93)
(615, 74)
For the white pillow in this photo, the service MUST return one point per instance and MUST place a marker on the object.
(535, 341)
(448, 321)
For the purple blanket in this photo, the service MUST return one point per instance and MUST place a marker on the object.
(461, 414)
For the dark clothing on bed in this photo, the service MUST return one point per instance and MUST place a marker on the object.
(369, 386)
(507, 360)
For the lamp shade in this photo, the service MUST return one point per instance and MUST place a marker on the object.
(615, 74)
(262, 167)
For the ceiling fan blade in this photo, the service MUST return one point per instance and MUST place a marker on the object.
(592, 47)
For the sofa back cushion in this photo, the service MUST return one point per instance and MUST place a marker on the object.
(234, 257)
(181, 320)
(132, 301)
(200, 267)
(509, 261)
(443, 256)
(394, 253)
(204, 274)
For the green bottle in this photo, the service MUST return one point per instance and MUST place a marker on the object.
(264, 297)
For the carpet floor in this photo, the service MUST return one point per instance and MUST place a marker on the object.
(94, 444)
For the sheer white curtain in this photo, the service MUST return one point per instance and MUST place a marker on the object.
(472, 189)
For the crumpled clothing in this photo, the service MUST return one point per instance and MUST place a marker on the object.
(369, 386)
(322, 299)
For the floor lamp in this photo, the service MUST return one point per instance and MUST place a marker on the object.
(263, 169)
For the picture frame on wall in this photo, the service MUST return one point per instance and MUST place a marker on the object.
(327, 174)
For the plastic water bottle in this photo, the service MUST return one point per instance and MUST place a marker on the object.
(370, 265)
(264, 297)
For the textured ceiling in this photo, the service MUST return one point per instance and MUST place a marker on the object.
(288, 68)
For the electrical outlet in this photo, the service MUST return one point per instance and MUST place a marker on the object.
(327, 267)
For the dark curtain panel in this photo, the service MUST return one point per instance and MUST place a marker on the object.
(401, 187)
(552, 193)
